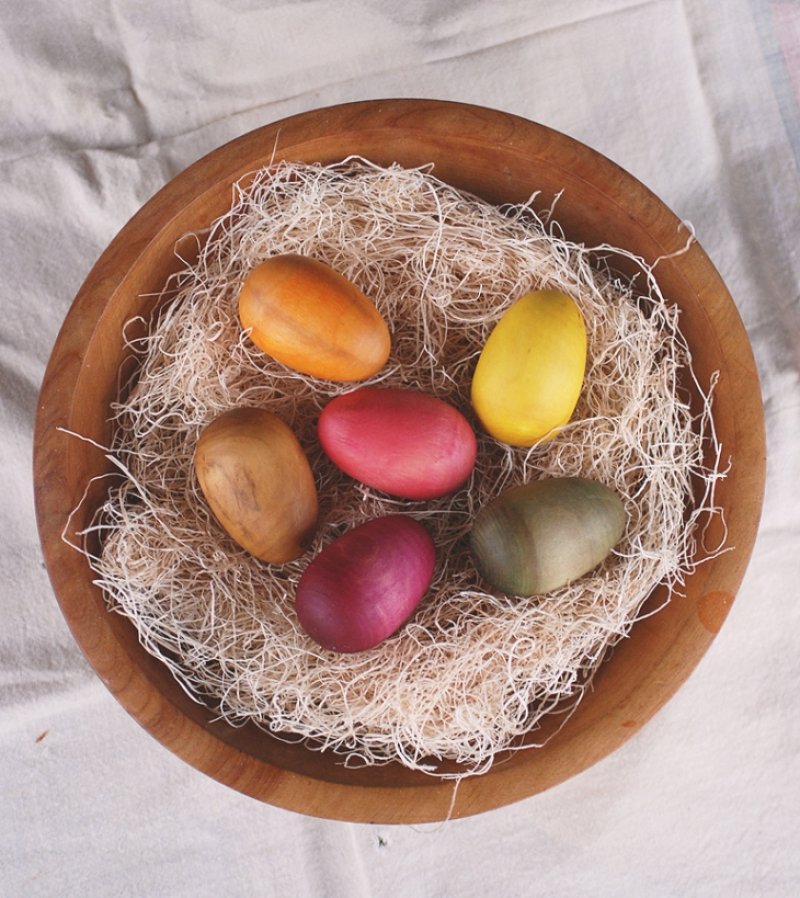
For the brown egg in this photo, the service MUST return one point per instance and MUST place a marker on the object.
(257, 480)
(311, 318)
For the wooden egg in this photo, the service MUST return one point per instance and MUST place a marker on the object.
(530, 372)
(403, 442)
(538, 537)
(311, 318)
(366, 584)
(257, 480)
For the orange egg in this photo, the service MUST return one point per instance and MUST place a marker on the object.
(311, 318)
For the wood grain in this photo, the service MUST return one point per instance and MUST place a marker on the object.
(501, 158)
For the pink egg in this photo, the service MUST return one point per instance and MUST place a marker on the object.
(403, 442)
(364, 586)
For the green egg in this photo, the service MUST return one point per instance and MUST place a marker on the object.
(535, 538)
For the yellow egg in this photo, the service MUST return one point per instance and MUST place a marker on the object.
(529, 375)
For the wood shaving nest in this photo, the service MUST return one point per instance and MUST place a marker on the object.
(473, 670)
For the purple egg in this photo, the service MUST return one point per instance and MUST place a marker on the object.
(366, 584)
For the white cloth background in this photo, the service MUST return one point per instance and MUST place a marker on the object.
(101, 102)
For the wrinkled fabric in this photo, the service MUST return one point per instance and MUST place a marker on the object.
(102, 103)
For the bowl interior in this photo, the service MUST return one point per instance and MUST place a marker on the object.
(502, 159)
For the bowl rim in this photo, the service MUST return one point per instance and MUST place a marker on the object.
(192, 734)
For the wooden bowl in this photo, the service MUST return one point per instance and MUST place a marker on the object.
(501, 158)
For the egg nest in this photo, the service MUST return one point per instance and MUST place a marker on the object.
(473, 670)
